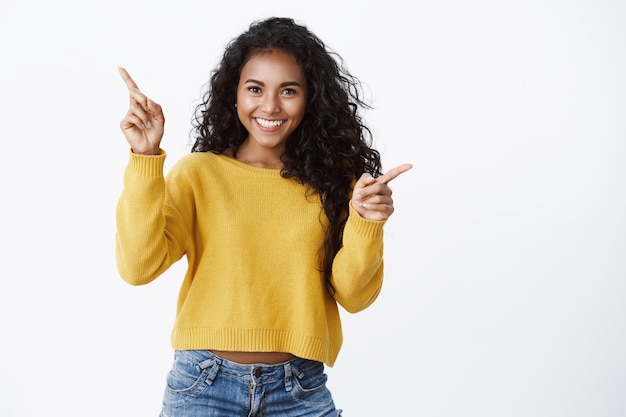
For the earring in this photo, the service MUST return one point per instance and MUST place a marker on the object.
(235, 104)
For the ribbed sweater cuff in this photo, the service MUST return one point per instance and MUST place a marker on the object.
(147, 165)
(368, 228)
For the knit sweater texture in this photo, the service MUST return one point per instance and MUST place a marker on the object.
(252, 243)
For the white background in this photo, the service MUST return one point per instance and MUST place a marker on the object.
(505, 259)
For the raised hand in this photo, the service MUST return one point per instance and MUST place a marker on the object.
(144, 123)
(371, 197)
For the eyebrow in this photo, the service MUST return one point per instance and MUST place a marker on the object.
(285, 84)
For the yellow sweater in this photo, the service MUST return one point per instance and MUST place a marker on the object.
(252, 241)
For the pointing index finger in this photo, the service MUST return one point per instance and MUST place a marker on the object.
(130, 83)
(393, 173)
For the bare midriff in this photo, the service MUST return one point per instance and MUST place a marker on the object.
(248, 358)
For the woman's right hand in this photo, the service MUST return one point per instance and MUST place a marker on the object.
(144, 123)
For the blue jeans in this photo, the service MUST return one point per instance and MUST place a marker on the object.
(202, 384)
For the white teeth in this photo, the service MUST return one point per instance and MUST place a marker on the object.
(268, 124)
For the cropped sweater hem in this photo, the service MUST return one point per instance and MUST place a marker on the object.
(255, 340)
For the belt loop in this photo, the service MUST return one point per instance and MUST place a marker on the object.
(215, 367)
(288, 377)
(204, 364)
(298, 372)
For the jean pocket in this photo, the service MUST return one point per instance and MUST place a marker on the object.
(185, 381)
(311, 390)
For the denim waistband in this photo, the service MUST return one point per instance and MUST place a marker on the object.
(258, 373)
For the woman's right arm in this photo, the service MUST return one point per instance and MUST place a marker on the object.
(149, 232)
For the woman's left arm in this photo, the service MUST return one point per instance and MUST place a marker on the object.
(358, 266)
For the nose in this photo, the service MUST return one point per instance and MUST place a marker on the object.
(270, 104)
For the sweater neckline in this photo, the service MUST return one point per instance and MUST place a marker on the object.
(268, 172)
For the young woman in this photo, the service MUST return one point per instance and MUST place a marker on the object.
(279, 211)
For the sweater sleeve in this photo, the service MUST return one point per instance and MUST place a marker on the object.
(150, 236)
(358, 266)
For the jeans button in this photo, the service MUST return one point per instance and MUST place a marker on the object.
(257, 373)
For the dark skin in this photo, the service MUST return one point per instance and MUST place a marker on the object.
(143, 127)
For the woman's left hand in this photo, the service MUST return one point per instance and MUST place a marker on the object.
(371, 197)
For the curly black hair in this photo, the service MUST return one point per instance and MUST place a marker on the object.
(330, 148)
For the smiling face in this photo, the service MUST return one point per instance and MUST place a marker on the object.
(271, 101)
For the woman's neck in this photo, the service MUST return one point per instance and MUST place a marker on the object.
(256, 156)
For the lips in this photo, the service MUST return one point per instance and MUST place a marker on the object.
(269, 124)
